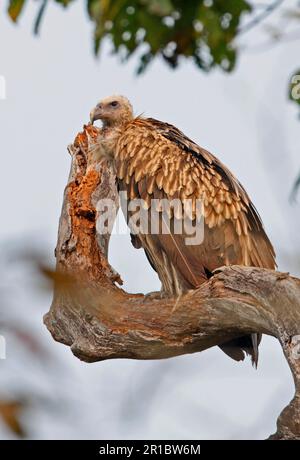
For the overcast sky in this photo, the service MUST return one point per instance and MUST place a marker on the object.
(245, 119)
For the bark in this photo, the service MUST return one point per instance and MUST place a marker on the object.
(98, 320)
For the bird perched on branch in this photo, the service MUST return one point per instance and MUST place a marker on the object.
(153, 160)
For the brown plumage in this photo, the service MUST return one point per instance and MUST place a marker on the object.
(154, 160)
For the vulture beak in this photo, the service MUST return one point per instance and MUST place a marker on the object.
(96, 113)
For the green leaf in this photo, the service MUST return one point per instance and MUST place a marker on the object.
(294, 87)
(15, 8)
(64, 2)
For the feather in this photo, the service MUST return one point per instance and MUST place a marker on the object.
(179, 255)
(159, 161)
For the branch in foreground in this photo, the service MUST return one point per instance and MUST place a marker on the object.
(100, 321)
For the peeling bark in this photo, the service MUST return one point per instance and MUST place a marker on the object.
(98, 320)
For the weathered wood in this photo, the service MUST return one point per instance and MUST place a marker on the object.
(100, 321)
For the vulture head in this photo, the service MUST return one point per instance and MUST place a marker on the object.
(112, 111)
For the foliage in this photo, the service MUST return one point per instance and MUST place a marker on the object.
(294, 95)
(15, 8)
(203, 30)
(294, 87)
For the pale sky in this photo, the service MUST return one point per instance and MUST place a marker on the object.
(52, 82)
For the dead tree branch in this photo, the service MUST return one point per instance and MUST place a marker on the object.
(100, 321)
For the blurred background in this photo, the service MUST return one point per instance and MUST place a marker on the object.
(239, 109)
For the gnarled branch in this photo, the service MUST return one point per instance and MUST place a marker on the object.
(100, 321)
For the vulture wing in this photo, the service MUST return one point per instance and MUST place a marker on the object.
(156, 160)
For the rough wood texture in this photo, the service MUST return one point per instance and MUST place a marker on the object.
(100, 321)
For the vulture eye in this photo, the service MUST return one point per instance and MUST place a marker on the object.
(114, 103)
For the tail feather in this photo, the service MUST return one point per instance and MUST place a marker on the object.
(237, 348)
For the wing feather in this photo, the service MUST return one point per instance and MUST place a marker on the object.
(164, 163)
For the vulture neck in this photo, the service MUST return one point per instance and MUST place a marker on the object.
(119, 123)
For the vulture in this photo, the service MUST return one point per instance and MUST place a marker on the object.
(157, 163)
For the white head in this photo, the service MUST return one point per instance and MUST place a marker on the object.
(113, 111)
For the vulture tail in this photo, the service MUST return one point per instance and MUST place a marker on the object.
(236, 348)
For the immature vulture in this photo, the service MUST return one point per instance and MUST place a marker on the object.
(154, 160)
